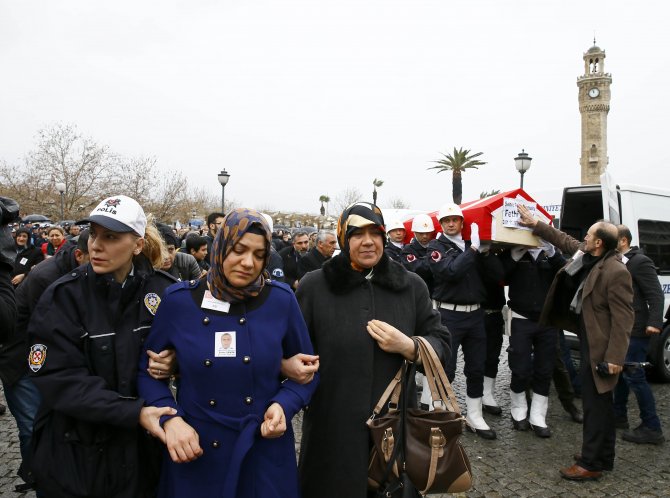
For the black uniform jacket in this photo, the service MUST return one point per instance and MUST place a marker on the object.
(529, 281)
(416, 258)
(86, 335)
(14, 350)
(393, 251)
(458, 275)
(7, 304)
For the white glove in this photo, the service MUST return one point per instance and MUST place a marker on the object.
(474, 236)
(517, 252)
(548, 248)
(484, 247)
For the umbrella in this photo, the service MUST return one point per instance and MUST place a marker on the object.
(31, 218)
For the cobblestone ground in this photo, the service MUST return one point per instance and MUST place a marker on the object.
(517, 464)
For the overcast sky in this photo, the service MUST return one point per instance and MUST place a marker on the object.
(298, 98)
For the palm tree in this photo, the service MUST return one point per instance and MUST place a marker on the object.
(458, 162)
(376, 183)
(484, 194)
(322, 199)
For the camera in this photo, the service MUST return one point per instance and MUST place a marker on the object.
(603, 369)
(9, 211)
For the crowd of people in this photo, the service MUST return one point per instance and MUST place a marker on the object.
(167, 362)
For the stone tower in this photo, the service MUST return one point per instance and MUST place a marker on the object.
(594, 104)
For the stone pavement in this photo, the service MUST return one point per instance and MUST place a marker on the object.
(517, 464)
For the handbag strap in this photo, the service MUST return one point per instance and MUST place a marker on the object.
(392, 390)
(438, 382)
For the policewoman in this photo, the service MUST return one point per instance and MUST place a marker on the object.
(231, 436)
(86, 337)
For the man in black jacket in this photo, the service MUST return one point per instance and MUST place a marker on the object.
(458, 269)
(322, 252)
(292, 255)
(648, 303)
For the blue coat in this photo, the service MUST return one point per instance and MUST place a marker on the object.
(223, 395)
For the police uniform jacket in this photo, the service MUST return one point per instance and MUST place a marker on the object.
(86, 336)
(415, 258)
(529, 281)
(7, 303)
(393, 251)
(458, 275)
(224, 395)
(14, 348)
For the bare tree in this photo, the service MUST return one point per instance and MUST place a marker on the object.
(347, 197)
(61, 154)
(398, 203)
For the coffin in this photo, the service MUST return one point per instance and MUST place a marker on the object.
(496, 217)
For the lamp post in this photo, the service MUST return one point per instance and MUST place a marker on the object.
(522, 163)
(223, 179)
(60, 186)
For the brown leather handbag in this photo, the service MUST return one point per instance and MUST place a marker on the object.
(423, 445)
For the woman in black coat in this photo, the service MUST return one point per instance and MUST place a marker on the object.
(361, 310)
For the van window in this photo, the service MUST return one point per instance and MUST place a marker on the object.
(655, 242)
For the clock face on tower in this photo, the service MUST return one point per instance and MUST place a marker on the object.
(594, 92)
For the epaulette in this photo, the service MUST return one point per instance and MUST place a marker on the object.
(166, 274)
(279, 285)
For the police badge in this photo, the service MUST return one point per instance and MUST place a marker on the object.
(151, 301)
(37, 356)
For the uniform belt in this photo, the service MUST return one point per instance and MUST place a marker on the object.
(460, 307)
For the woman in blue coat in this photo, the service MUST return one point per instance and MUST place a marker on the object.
(232, 435)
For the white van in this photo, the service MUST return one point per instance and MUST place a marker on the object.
(646, 212)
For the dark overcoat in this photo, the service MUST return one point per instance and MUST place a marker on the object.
(607, 306)
(337, 303)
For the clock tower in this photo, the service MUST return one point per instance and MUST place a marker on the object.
(594, 104)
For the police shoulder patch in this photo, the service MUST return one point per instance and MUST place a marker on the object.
(436, 256)
(37, 356)
(278, 273)
(151, 301)
(411, 258)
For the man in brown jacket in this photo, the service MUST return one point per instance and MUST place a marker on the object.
(592, 295)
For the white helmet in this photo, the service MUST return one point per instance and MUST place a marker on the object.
(394, 225)
(422, 223)
(449, 210)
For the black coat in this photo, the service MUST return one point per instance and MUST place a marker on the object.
(7, 305)
(337, 303)
(290, 259)
(313, 260)
(393, 251)
(87, 437)
(14, 349)
(26, 259)
(648, 299)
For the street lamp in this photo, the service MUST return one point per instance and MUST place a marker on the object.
(522, 163)
(60, 186)
(223, 179)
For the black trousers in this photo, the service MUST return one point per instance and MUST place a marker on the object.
(599, 430)
(531, 355)
(467, 331)
(495, 329)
